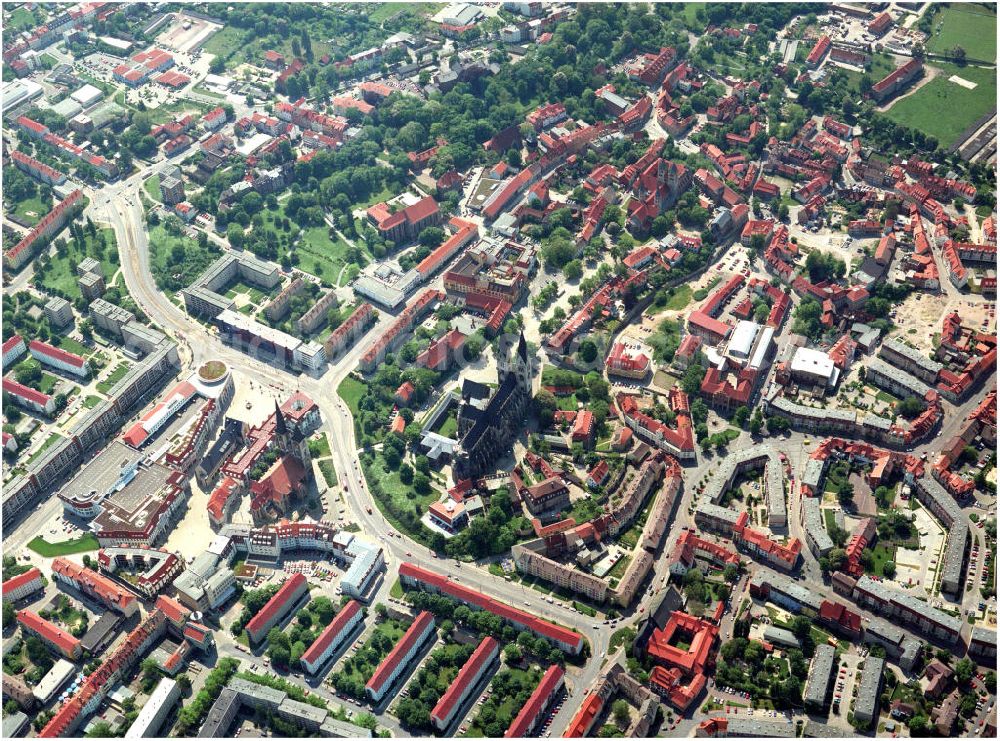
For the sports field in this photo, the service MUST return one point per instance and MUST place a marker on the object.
(923, 109)
(972, 27)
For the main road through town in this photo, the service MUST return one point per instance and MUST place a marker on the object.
(120, 207)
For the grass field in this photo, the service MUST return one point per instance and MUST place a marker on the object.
(922, 110)
(21, 19)
(318, 253)
(70, 345)
(116, 375)
(49, 442)
(880, 554)
(152, 188)
(680, 299)
(31, 211)
(973, 27)
(61, 278)
(91, 401)
(82, 544)
(351, 391)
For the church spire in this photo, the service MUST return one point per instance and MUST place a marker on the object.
(279, 420)
(522, 348)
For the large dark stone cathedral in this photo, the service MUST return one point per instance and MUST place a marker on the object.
(488, 424)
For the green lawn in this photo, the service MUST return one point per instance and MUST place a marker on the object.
(881, 553)
(152, 188)
(923, 109)
(680, 299)
(91, 401)
(49, 442)
(20, 19)
(31, 211)
(323, 257)
(449, 428)
(973, 27)
(82, 544)
(116, 375)
(396, 590)
(60, 276)
(381, 11)
(224, 42)
(351, 390)
(70, 345)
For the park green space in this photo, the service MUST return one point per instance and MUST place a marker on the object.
(925, 108)
(972, 27)
(319, 253)
(45, 548)
(351, 390)
(175, 271)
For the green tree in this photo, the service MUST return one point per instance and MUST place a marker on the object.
(620, 712)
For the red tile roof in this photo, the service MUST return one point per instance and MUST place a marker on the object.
(399, 651)
(27, 393)
(16, 582)
(276, 603)
(331, 632)
(57, 353)
(465, 678)
(551, 680)
(477, 599)
(49, 632)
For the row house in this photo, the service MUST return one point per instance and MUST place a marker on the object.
(333, 637)
(18, 587)
(465, 682)
(549, 688)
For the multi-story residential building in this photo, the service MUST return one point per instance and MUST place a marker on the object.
(13, 349)
(333, 636)
(466, 681)
(399, 658)
(526, 722)
(59, 359)
(17, 256)
(50, 633)
(869, 691)
(29, 398)
(20, 586)
(906, 608)
(417, 577)
(99, 588)
(819, 681)
(811, 519)
(285, 601)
